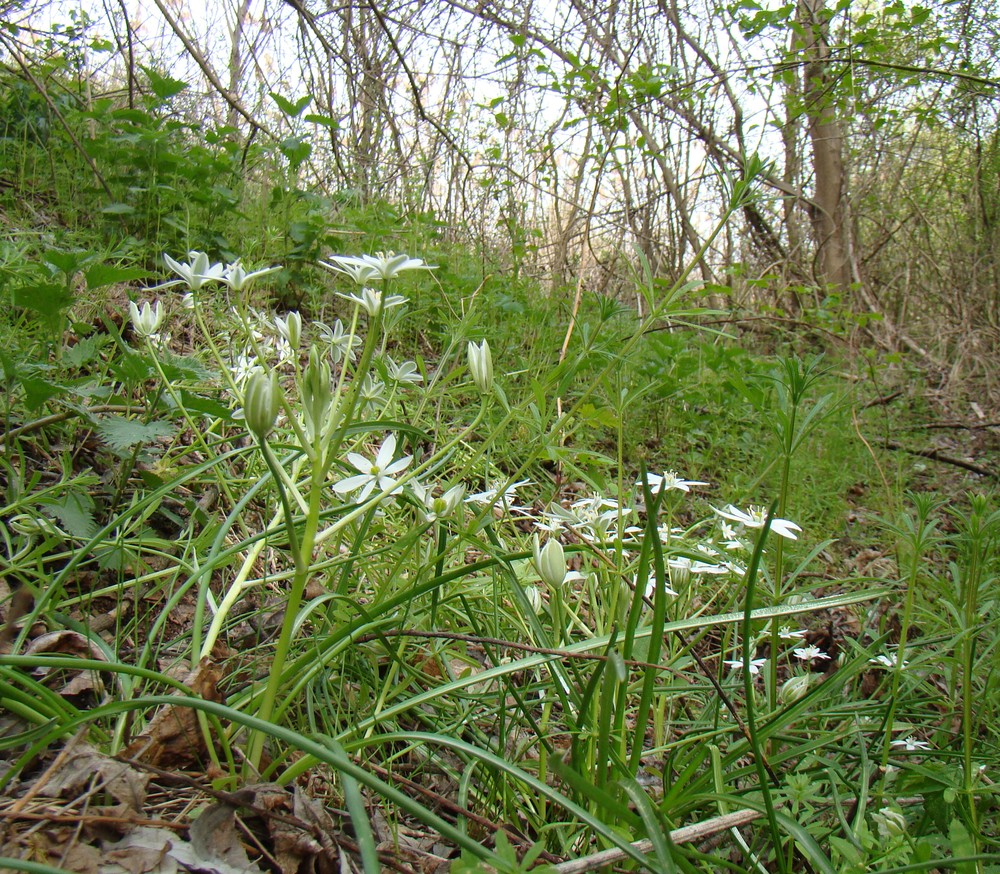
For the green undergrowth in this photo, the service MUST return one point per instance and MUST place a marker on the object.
(591, 597)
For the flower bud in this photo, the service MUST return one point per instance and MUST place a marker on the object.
(261, 401)
(290, 328)
(481, 366)
(550, 562)
(33, 526)
(794, 688)
(146, 321)
(316, 393)
(534, 599)
(891, 823)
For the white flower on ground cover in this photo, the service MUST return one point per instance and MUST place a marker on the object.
(755, 517)
(808, 653)
(245, 365)
(290, 329)
(601, 519)
(374, 302)
(238, 279)
(887, 660)
(374, 473)
(342, 344)
(496, 493)
(382, 265)
(737, 665)
(550, 562)
(145, 321)
(692, 566)
(437, 507)
(481, 365)
(670, 480)
(910, 744)
(196, 273)
(786, 632)
(730, 540)
(405, 373)
(650, 589)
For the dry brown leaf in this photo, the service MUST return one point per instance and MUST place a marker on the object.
(296, 849)
(168, 854)
(214, 837)
(173, 738)
(57, 845)
(70, 643)
(78, 769)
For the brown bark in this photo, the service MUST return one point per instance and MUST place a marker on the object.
(829, 212)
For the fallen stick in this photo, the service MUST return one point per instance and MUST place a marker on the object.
(684, 835)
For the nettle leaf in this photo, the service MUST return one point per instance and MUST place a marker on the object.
(178, 368)
(323, 121)
(296, 149)
(74, 513)
(122, 434)
(48, 299)
(196, 403)
(85, 351)
(69, 262)
(37, 391)
(102, 275)
(164, 87)
(132, 367)
(289, 108)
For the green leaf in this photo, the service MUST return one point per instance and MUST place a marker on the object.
(74, 513)
(102, 275)
(132, 367)
(206, 406)
(962, 845)
(291, 109)
(67, 262)
(85, 351)
(118, 209)
(296, 149)
(37, 391)
(122, 434)
(164, 87)
(48, 299)
(323, 121)
(178, 368)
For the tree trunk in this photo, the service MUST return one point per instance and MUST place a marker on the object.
(830, 215)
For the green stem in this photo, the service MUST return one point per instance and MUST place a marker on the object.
(302, 553)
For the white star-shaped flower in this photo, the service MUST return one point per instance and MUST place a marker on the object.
(808, 653)
(755, 665)
(378, 472)
(755, 517)
(670, 480)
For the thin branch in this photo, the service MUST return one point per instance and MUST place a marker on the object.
(210, 74)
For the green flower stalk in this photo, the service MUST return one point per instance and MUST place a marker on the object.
(316, 391)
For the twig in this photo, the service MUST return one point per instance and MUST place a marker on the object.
(935, 455)
(882, 400)
(684, 835)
